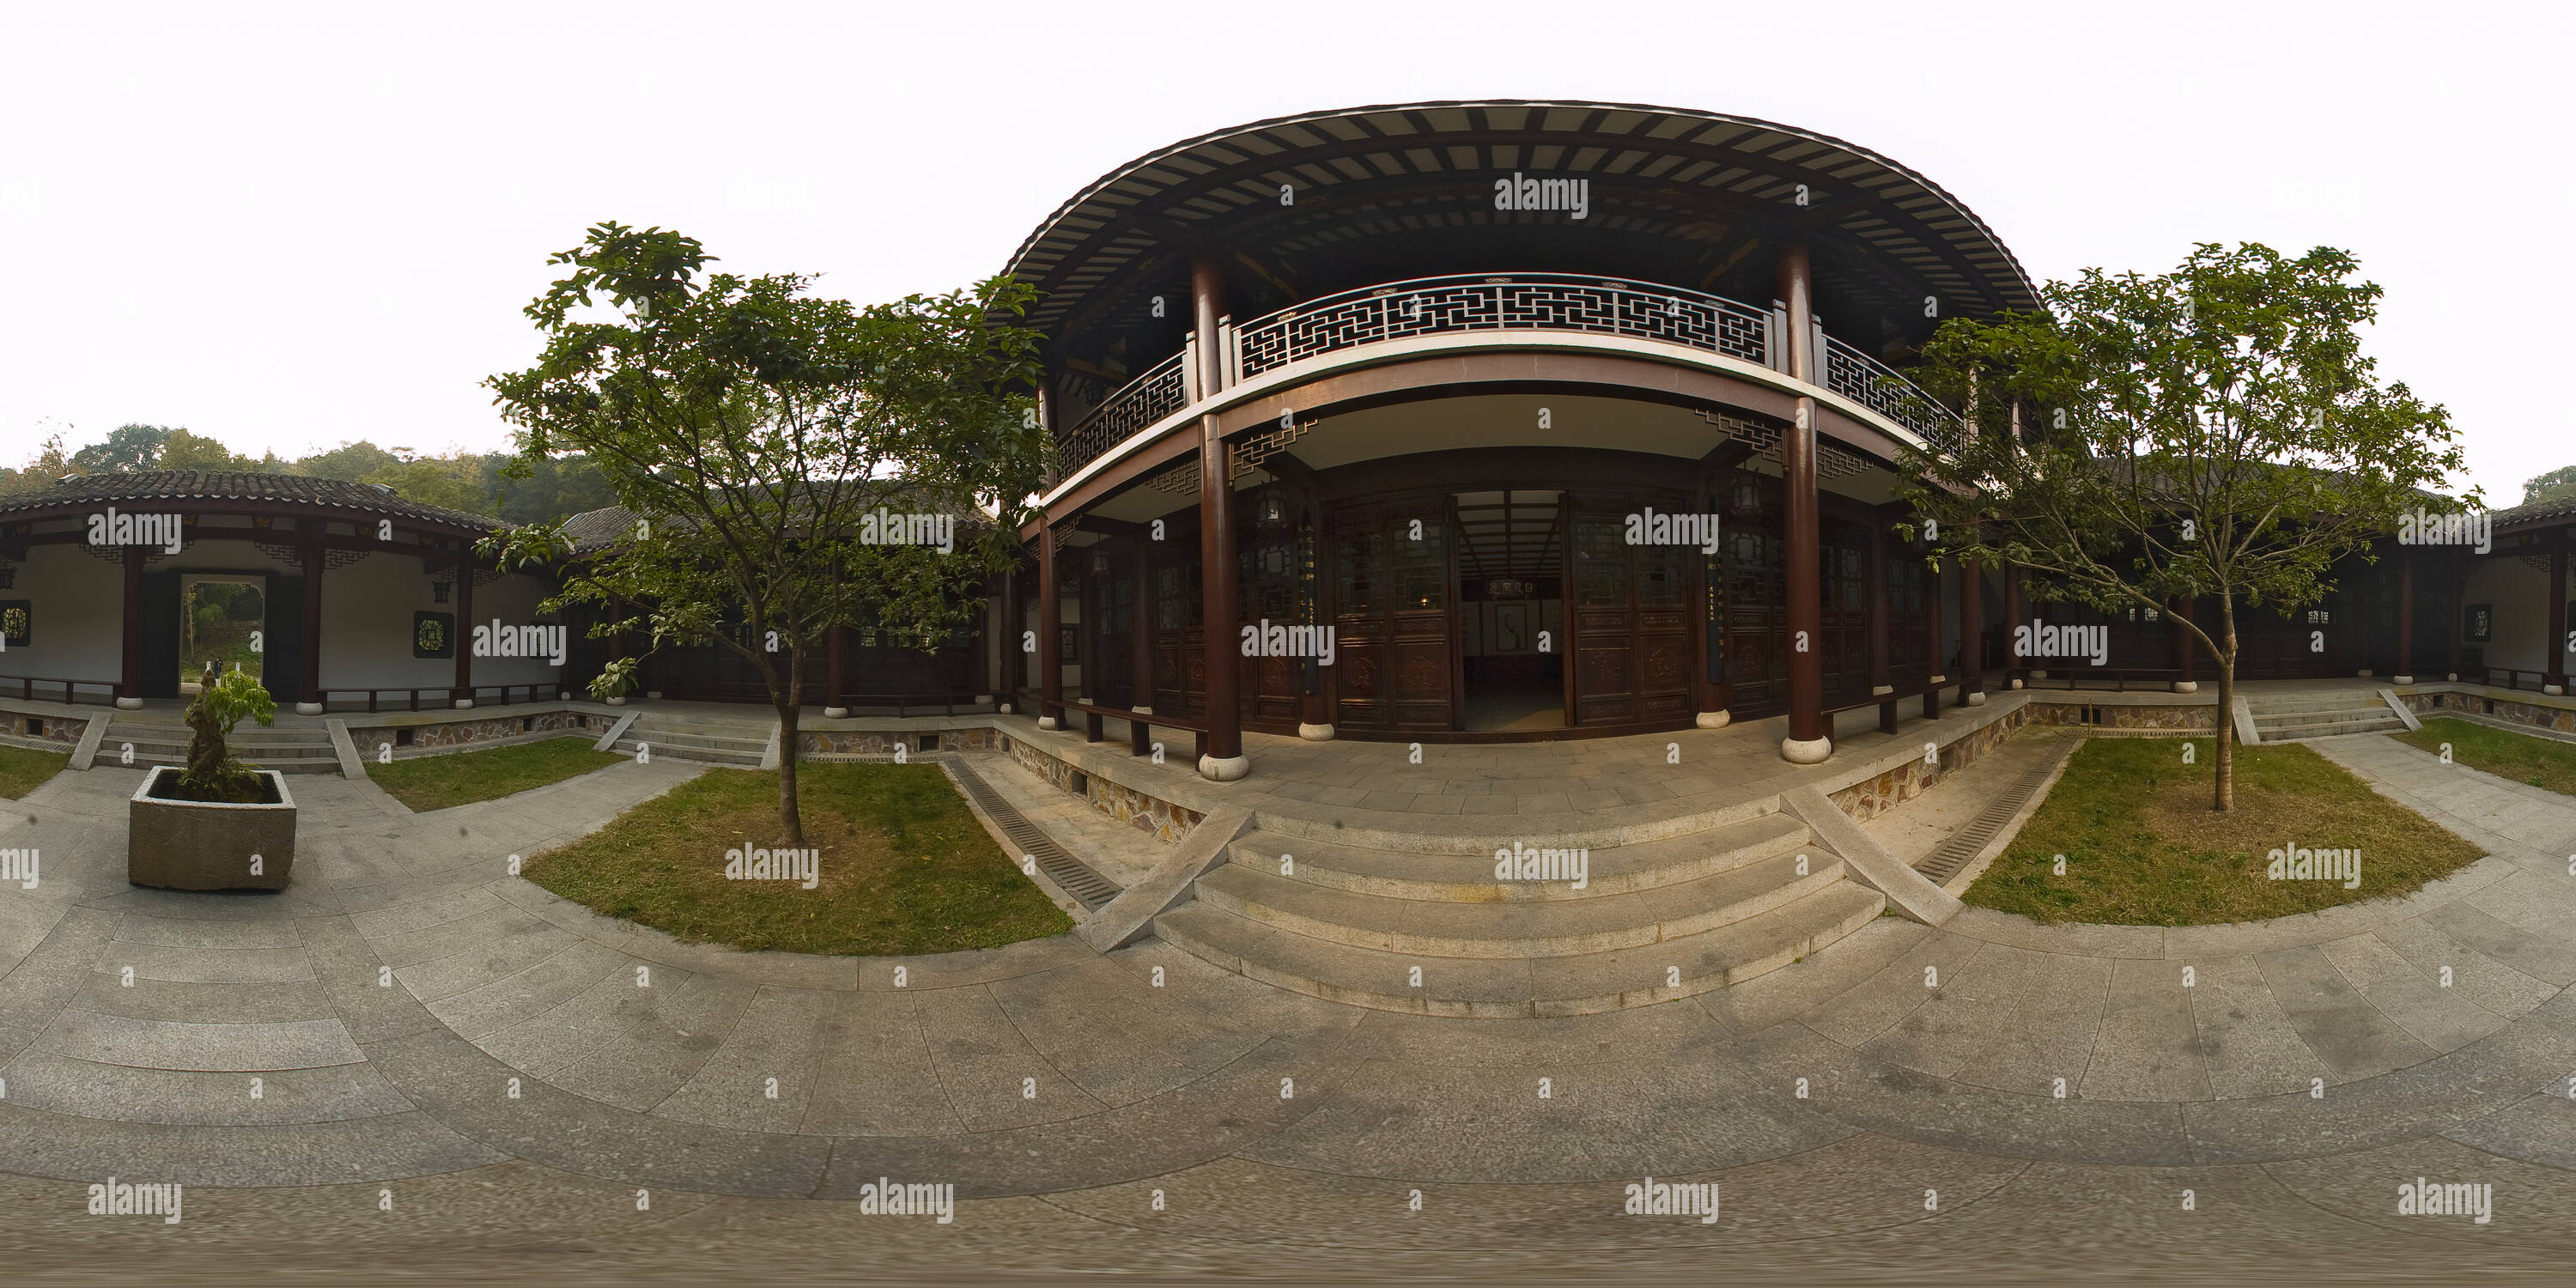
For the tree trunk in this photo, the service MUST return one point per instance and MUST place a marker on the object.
(788, 818)
(2225, 792)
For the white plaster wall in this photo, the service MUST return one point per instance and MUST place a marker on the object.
(2520, 594)
(77, 602)
(367, 612)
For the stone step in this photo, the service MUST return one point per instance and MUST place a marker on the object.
(1469, 878)
(2342, 701)
(1523, 987)
(1522, 928)
(700, 755)
(756, 741)
(2329, 725)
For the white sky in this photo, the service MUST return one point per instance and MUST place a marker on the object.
(287, 226)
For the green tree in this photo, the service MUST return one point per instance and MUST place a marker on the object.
(127, 448)
(455, 482)
(182, 450)
(2214, 431)
(2551, 486)
(42, 470)
(754, 429)
(349, 462)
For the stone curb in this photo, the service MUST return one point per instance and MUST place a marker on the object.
(1130, 916)
(1908, 891)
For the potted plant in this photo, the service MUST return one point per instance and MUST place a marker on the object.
(215, 823)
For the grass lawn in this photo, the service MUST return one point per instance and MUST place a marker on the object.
(2143, 849)
(24, 769)
(461, 778)
(904, 866)
(2521, 757)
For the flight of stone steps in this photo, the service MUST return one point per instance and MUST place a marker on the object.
(707, 740)
(2291, 717)
(287, 748)
(1429, 929)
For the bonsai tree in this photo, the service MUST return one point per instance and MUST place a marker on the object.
(2215, 431)
(212, 773)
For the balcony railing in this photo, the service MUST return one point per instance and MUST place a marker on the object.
(1514, 302)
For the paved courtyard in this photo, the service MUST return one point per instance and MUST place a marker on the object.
(415, 1063)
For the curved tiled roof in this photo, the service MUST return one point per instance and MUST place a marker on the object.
(293, 490)
(1667, 181)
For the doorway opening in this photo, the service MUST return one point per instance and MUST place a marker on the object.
(221, 620)
(1511, 609)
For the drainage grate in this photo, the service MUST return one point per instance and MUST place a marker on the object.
(1948, 857)
(1070, 874)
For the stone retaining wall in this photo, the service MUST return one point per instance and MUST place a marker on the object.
(1153, 815)
(453, 734)
(62, 729)
(880, 742)
(2539, 715)
(2201, 719)
(1871, 797)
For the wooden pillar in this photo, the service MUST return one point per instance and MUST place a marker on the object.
(312, 701)
(2186, 646)
(2454, 600)
(2013, 609)
(1223, 758)
(464, 694)
(2405, 616)
(2553, 680)
(1140, 628)
(1972, 633)
(1881, 621)
(1934, 671)
(1050, 629)
(1715, 697)
(1810, 738)
(129, 691)
(836, 672)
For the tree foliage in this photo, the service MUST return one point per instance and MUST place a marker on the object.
(2215, 431)
(2552, 486)
(755, 429)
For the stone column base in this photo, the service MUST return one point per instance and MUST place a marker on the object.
(1004, 709)
(1314, 732)
(2016, 683)
(618, 701)
(1977, 699)
(308, 708)
(1046, 722)
(982, 698)
(1881, 690)
(1224, 769)
(1809, 752)
(655, 694)
(2553, 690)
(2365, 673)
(2453, 677)
(1713, 719)
(465, 704)
(1142, 711)
(836, 713)
(129, 704)
(2186, 686)
(2038, 674)
(2401, 679)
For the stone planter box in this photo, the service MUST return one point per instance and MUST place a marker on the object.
(205, 845)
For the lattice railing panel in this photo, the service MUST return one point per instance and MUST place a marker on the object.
(1877, 386)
